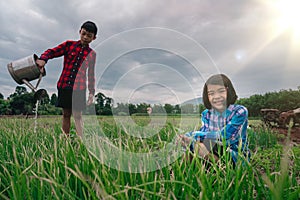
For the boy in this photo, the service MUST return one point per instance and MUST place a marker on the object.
(79, 59)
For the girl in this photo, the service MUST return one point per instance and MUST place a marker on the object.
(223, 122)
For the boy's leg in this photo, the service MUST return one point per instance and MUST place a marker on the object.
(78, 122)
(66, 121)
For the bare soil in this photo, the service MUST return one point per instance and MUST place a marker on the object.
(295, 134)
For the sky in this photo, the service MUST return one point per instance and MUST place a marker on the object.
(159, 52)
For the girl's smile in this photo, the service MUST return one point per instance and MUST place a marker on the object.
(217, 95)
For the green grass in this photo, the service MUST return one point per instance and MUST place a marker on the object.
(45, 165)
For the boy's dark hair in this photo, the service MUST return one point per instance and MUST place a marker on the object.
(90, 27)
(219, 79)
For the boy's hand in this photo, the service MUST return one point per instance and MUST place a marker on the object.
(40, 64)
(90, 99)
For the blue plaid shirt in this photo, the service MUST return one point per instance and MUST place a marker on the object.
(230, 125)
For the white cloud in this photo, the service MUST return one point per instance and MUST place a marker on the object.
(237, 36)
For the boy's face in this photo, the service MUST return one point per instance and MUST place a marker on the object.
(86, 37)
(217, 96)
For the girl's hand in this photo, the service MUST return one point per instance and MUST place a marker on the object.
(201, 149)
(184, 140)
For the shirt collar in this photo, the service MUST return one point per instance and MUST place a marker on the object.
(80, 45)
(217, 113)
(225, 113)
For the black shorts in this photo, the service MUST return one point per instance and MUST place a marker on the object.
(71, 99)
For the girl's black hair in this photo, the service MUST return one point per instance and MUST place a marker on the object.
(90, 27)
(219, 79)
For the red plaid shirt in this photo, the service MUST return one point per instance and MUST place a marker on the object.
(77, 60)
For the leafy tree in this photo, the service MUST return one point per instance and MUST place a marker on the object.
(22, 104)
(48, 109)
(45, 99)
(142, 107)
(283, 100)
(100, 99)
(107, 106)
(132, 108)
(201, 108)
(22, 101)
(103, 104)
(4, 107)
(168, 108)
(18, 91)
(158, 109)
(177, 109)
(254, 103)
(188, 109)
(121, 108)
(53, 99)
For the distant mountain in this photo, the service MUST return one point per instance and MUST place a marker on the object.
(195, 101)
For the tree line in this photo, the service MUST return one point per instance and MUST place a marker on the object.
(282, 100)
(22, 102)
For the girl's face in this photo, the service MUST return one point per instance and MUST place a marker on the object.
(217, 95)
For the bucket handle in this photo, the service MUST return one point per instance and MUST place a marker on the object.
(30, 85)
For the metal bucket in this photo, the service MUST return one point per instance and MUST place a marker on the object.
(25, 70)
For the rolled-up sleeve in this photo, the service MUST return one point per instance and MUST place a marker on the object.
(54, 52)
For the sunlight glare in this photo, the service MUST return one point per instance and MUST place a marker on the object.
(289, 16)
